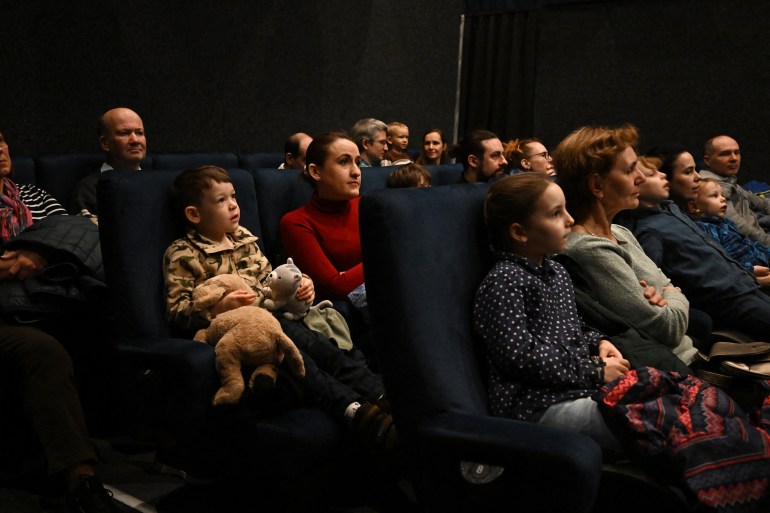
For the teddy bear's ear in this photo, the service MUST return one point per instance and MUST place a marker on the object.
(207, 294)
(289, 261)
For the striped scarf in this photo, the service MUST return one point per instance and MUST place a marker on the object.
(14, 214)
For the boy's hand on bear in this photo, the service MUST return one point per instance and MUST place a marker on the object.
(306, 290)
(233, 300)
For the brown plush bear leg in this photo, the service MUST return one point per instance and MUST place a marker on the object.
(229, 368)
(263, 378)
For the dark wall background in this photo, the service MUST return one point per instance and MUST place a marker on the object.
(233, 75)
(682, 71)
(239, 75)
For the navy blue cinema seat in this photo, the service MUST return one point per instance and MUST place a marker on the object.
(425, 252)
(135, 227)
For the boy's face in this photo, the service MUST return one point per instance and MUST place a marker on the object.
(399, 138)
(218, 212)
(655, 187)
(710, 201)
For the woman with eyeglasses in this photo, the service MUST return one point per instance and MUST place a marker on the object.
(528, 155)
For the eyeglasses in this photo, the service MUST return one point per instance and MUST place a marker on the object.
(543, 154)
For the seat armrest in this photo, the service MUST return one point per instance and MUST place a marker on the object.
(188, 370)
(536, 458)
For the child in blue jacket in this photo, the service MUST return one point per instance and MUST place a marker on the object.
(708, 210)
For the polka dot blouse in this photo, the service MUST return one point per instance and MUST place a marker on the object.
(536, 344)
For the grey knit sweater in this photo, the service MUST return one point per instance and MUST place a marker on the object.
(615, 271)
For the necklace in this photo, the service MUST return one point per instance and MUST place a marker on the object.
(592, 234)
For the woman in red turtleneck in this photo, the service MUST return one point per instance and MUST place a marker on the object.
(322, 236)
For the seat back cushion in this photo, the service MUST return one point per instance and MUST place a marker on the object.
(189, 160)
(445, 174)
(58, 174)
(425, 252)
(23, 170)
(278, 192)
(260, 160)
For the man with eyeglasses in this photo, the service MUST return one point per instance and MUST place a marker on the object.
(372, 139)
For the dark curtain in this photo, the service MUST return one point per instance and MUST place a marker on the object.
(497, 88)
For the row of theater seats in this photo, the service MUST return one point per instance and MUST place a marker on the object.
(425, 251)
(294, 447)
(58, 173)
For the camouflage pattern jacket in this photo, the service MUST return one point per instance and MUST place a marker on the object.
(193, 259)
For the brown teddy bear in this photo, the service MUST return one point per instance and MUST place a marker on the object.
(245, 336)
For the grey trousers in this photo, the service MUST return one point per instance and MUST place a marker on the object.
(581, 415)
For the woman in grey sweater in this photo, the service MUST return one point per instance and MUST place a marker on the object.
(599, 174)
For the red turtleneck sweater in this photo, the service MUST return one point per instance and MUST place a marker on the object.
(323, 240)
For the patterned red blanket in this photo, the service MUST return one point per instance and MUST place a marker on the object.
(694, 435)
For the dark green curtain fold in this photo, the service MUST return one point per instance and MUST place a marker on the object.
(497, 88)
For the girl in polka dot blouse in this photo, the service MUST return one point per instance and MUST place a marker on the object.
(544, 363)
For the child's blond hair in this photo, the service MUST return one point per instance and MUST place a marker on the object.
(395, 124)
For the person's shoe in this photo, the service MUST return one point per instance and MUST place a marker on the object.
(90, 496)
(374, 427)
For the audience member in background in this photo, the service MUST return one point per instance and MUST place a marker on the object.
(434, 149)
(410, 175)
(712, 280)
(599, 175)
(371, 137)
(708, 209)
(216, 244)
(122, 139)
(294, 151)
(679, 167)
(481, 154)
(722, 156)
(528, 155)
(39, 202)
(398, 141)
(545, 365)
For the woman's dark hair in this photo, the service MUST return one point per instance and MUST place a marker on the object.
(667, 155)
(318, 150)
(512, 200)
(587, 151)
